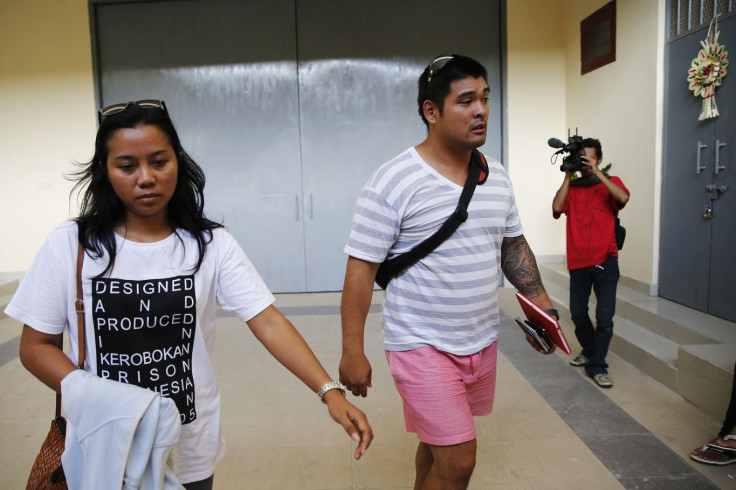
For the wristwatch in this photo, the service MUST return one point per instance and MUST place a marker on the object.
(332, 385)
(552, 312)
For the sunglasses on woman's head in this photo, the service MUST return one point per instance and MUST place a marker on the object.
(436, 66)
(111, 110)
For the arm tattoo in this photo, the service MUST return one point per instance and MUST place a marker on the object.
(520, 267)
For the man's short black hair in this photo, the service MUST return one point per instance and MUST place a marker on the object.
(436, 90)
(594, 143)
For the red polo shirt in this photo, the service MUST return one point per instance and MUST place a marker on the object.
(591, 215)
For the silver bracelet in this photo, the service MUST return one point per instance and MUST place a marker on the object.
(332, 385)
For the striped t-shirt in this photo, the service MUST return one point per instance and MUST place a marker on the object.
(448, 299)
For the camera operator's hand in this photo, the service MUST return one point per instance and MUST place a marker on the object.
(591, 164)
(591, 161)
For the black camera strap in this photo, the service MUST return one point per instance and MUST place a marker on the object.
(477, 174)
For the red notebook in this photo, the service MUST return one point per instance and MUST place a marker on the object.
(543, 319)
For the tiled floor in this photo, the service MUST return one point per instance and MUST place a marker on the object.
(551, 427)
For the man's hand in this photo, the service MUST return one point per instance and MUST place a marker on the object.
(355, 370)
(537, 347)
(356, 373)
(592, 164)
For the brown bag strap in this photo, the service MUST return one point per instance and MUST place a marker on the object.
(79, 305)
(80, 310)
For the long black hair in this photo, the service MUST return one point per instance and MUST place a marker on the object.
(101, 209)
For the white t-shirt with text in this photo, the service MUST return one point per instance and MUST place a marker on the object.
(150, 321)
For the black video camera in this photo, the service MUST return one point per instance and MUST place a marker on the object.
(574, 160)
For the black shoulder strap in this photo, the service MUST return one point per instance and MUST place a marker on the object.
(477, 173)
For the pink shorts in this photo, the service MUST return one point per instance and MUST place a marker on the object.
(442, 392)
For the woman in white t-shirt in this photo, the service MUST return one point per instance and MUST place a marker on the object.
(155, 270)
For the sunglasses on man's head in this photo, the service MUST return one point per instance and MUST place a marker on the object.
(111, 110)
(438, 64)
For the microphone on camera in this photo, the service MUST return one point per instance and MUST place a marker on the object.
(555, 143)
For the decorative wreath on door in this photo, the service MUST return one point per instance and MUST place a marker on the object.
(707, 71)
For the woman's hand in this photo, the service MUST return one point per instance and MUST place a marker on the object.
(352, 420)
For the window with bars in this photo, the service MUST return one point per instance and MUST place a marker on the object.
(686, 15)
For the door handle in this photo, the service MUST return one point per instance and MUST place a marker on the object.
(719, 145)
(718, 189)
(698, 167)
(297, 207)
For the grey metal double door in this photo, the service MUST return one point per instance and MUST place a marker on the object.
(290, 105)
(698, 237)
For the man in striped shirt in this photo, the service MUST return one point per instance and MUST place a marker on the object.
(440, 317)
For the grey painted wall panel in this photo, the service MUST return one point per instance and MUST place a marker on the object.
(289, 106)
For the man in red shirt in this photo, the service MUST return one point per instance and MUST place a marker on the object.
(591, 204)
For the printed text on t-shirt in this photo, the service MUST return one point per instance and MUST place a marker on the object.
(144, 334)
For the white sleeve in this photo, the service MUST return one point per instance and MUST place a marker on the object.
(43, 298)
(240, 289)
(513, 221)
(375, 227)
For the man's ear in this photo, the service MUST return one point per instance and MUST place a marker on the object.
(431, 111)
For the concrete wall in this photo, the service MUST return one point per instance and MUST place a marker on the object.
(536, 111)
(620, 104)
(47, 120)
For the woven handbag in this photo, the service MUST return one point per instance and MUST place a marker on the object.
(47, 472)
